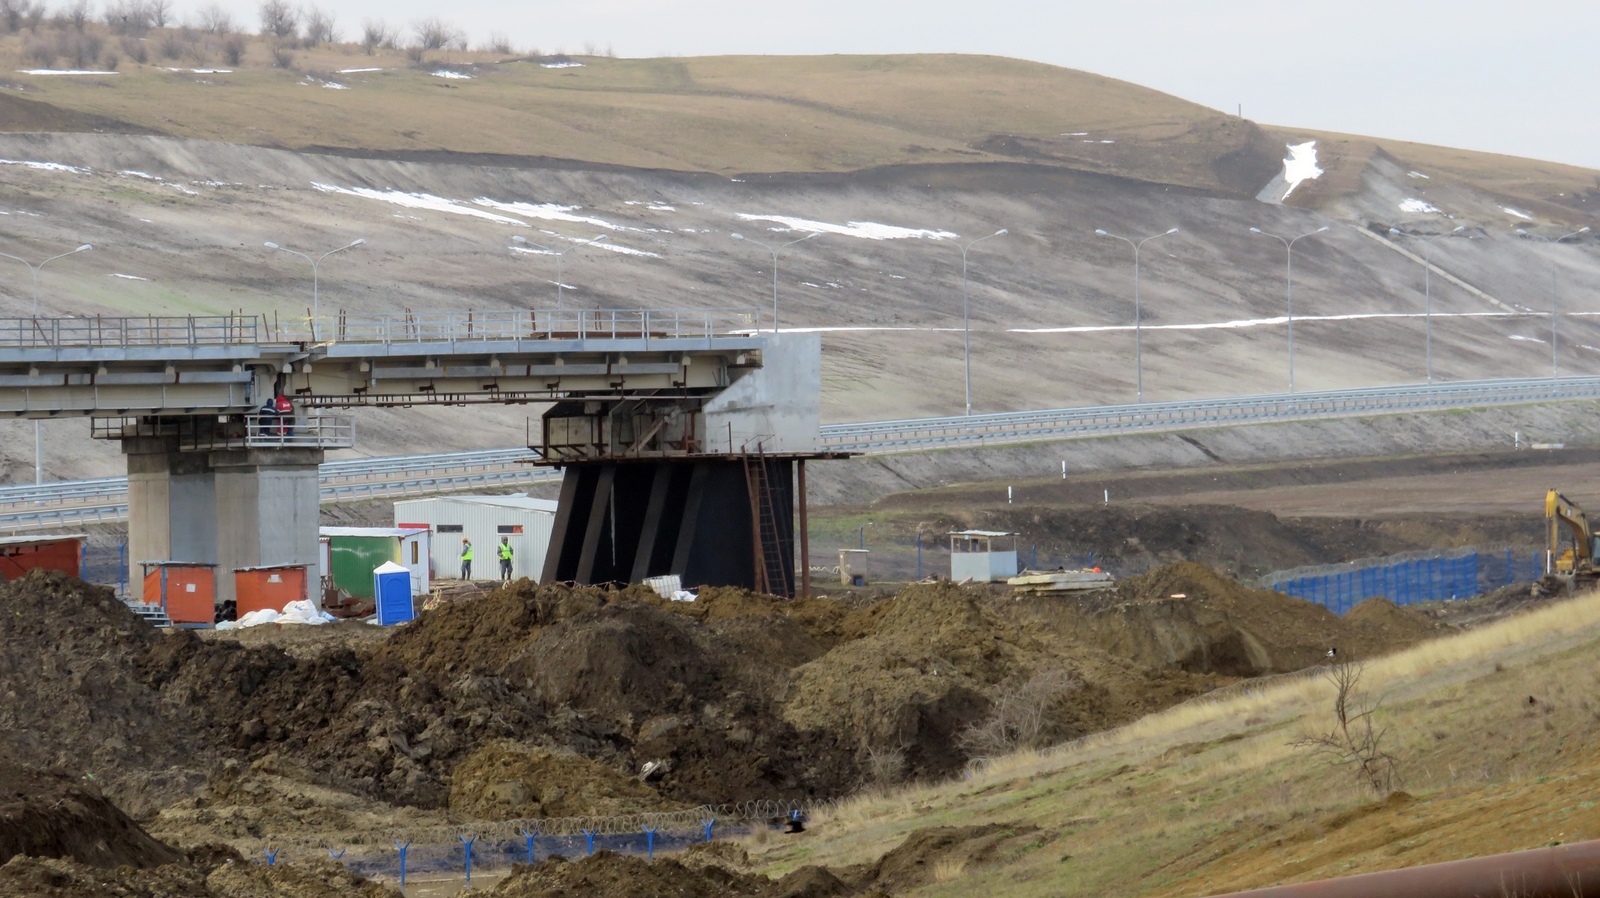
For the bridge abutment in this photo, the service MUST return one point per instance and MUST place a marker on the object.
(237, 507)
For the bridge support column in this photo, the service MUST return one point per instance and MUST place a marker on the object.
(268, 511)
(231, 507)
(172, 506)
(711, 520)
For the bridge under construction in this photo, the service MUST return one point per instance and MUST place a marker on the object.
(682, 434)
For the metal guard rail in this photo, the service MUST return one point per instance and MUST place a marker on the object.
(541, 324)
(192, 330)
(1016, 426)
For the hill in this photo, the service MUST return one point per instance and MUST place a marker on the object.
(178, 173)
(1492, 730)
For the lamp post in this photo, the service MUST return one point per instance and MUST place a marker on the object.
(560, 254)
(1427, 284)
(966, 315)
(775, 251)
(1138, 333)
(1288, 248)
(38, 438)
(1555, 297)
(316, 292)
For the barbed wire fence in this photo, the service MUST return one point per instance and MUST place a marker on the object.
(446, 850)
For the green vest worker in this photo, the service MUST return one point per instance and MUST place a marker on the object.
(505, 558)
(466, 558)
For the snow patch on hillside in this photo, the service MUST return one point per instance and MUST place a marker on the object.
(1419, 206)
(866, 230)
(1522, 215)
(550, 212)
(46, 166)
(417, 201)
(1301, 165)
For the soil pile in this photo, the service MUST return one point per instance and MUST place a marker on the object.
(943, 851)
(594, 672)
(608, 875)
(1382, 621)
(69, 660)
(1189, 616)
(51, 814)
(915, 681)
(509, 780)
(230, 878)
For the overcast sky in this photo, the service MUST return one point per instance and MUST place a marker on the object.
(1502, 76)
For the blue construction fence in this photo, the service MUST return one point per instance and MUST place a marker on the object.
(1456, 576)
(439, 853)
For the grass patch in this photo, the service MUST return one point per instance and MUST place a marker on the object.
(1210, 796)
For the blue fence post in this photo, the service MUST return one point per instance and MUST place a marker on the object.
(402, 849)
(530, 837)
(466, 843)
(272, 856)
(589, 834)
(122, 568)
(708, 824)
(650, 842)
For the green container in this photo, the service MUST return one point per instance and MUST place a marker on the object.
(354, 558)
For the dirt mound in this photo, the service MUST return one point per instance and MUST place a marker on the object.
(828, 621)
(1384, 621)
(943, 852)
(52, 814)
(915, 681)
(608, 875)
(479, 635)
(305, 879)
(1190, 616)
(509, 780)
(720, 853)
(69, 656)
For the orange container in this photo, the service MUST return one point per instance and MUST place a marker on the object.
(21, 554)
(186, 590)
(274, 586)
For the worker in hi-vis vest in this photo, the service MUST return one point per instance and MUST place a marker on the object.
(505, 558)
(466, 558)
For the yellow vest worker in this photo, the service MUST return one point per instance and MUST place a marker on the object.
(466, 558)
(505, 558)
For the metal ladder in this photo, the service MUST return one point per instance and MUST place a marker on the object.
(771, 577)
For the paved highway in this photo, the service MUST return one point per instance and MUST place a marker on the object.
(75, 503)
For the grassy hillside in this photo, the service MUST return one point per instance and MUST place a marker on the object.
(1495, 731)
(728, 115)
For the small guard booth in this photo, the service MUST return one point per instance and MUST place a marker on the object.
(391, 587)
(270, 586)
(975, 556)
(185, 590)
(350, 555)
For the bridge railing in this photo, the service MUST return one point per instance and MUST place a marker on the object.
(189, 330)
(541, 324)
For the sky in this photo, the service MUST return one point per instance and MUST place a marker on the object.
(1501, 76)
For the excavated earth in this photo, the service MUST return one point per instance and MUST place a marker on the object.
(549, 701)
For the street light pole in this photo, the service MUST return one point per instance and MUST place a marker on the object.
(1555, 298)
(559, 254)
(316, 292)
(775, 251)
(966, 314)
(1288, 247)
(1427, 284)
(1138, 325)
(38, 437)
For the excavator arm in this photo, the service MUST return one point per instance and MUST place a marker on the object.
(1559, 511)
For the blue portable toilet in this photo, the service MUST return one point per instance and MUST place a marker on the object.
(391, 585)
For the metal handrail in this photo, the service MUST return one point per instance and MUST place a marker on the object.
(190, 330)
(542, 324)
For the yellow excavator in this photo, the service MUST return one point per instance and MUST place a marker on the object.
(1572, 560)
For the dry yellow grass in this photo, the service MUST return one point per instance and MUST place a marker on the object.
(1194, 799)
(726, 114)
